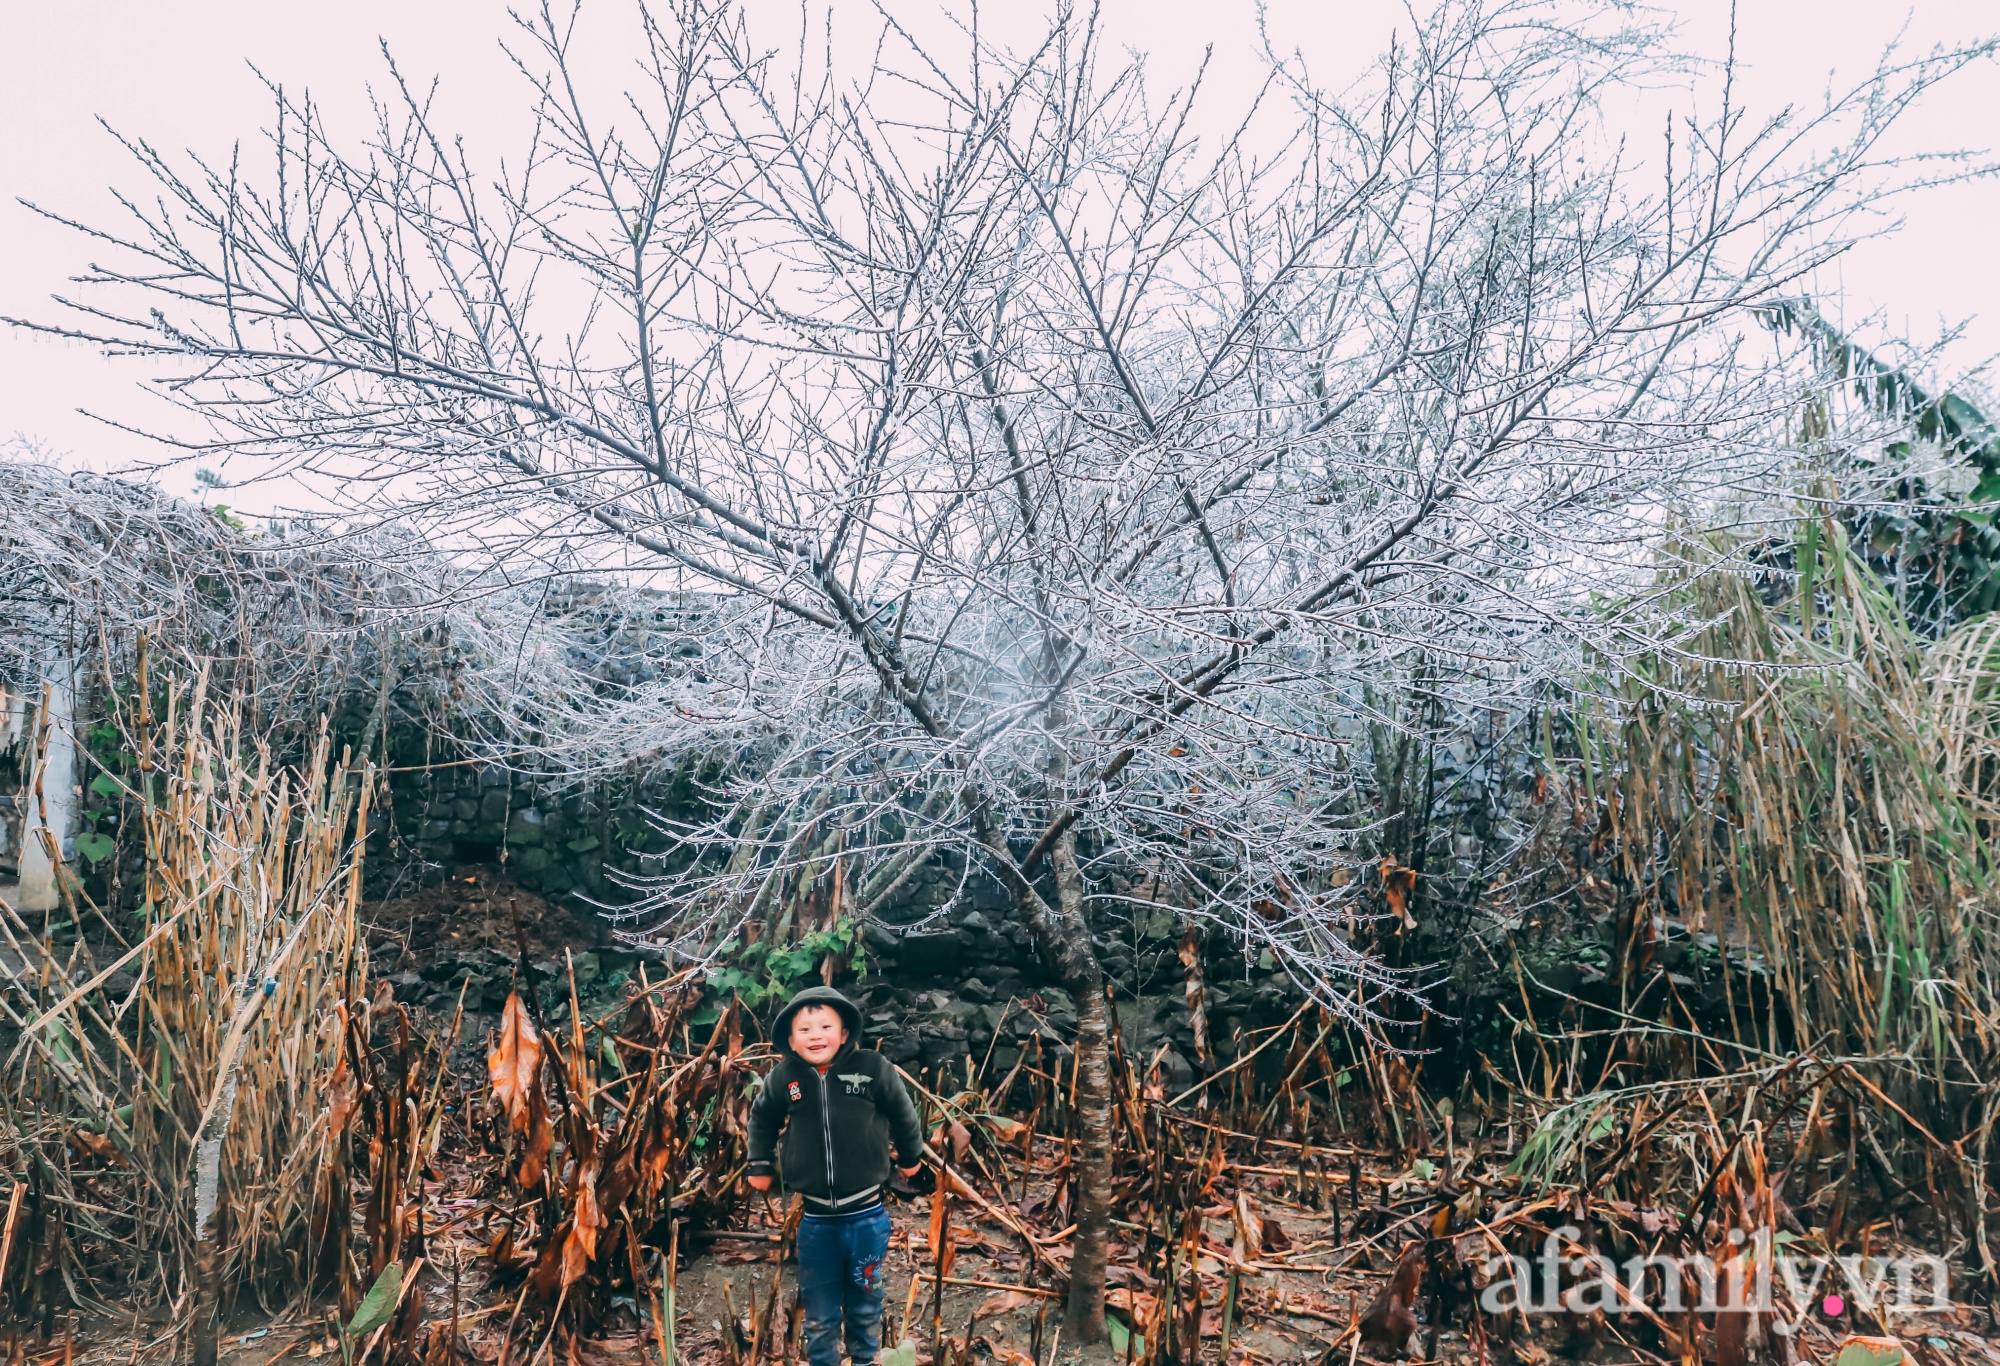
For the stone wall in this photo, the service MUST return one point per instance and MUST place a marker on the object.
(561, 844)
(936, 972)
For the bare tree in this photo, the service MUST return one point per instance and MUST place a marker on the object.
(1078, 479)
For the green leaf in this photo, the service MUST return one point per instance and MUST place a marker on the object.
(903, 1353)
(107, 787)
(378, 1303)
(789, 965)
(724, 981)
(1120, 1335)
(1870, 1352)
(96, 847)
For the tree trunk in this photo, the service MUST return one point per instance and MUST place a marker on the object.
(1063, 937)
(1077, 961)
(1084, 1320)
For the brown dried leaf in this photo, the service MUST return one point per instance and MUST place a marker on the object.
(548, 1270)
(1196, 993)
(1397, 884)
(619, 1182)
(1004, 1302)
(1249, 1229)
(541, 1140)
(340, 1087)
(1388, 1322)
(1008, 1131)
(655, 1161)
(943, 1239)
(1136, 1304)
(98, 1146)
(1129, 1276)
(1731, 1332)
(502, 1251)
(580, 1243)
(514, 1065)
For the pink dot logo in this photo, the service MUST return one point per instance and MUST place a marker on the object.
(1834, 1306)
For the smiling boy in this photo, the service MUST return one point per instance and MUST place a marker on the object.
(840, 1107)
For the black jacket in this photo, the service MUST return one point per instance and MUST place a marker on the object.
(838, 1124)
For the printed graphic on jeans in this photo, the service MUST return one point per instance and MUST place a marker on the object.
(869, 1277)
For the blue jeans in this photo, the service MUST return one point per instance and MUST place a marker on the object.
(840, 1277)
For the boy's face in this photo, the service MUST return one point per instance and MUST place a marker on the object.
(817, 1034)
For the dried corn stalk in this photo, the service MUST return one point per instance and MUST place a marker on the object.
(243, 957)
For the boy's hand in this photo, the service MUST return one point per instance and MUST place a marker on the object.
(760, 1183)
(914, 1180)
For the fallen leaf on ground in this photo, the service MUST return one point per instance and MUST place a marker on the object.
(1002, 1303)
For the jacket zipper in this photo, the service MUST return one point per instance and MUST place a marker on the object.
(826, 1133)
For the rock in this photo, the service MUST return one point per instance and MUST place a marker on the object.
(977, 923)
(936, 1045)
(1176, 1072)
(986, 893)
(972, 989)
(902, 1048)
(1137, 1024)
(931, 955)
(526, 827)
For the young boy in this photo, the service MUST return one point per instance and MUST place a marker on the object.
(840, 1107)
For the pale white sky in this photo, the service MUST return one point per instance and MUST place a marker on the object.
(178, 75)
